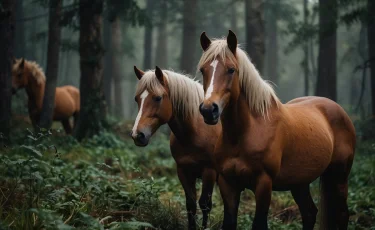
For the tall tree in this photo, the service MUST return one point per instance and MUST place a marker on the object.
(161, 55)
(371, 50)
(116, 61)
(305, 62)
(107, 63)
(326, 82)
(272, 40)
(19, 41)
(53, 54)
(6, 55)
(147, 45)
(92, 113)
(233, 18)
(255, 46)
(189, 38)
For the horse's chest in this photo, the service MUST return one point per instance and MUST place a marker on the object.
(238, 167)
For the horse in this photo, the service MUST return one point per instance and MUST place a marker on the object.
(29, 75)
(164, 96)
(266, 145)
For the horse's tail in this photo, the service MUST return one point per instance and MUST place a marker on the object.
(326, 203)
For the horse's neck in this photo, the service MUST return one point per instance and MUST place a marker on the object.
(235, 119)
(35, 93)
(182, 128)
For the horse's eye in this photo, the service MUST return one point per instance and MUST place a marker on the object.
(157, 98)
(201, 69)
(135, 99)
(231, 70)
(20, 75)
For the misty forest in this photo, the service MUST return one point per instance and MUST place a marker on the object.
(75, 148)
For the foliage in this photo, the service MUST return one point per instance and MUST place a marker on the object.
(80, 186)
(53, 182)
(366, 129)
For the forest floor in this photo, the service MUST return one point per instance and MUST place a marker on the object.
(106, 182)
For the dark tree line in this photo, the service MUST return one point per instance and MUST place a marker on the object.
(101, 53)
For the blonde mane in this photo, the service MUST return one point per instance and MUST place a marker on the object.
(258, 92)
(36, 71)
(185, 93)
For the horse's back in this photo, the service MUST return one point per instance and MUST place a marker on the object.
(341, 126)
(333, 112)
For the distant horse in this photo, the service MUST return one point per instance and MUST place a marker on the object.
(268, 145)
(167, 97)
(29, 75)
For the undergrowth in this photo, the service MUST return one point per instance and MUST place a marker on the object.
(50, 181)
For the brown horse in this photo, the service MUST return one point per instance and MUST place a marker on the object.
(268, 145)
(167, 97)
(29, 75)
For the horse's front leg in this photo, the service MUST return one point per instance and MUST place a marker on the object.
(263, 191)
(188, 183)
(205, 201)
(231, 198)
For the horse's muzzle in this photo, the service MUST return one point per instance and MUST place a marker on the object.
(210, 113)
(140, 139)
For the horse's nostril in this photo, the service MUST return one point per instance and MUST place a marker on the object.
(201, 107)
(140, 136)
(215, 109)
(131, 133)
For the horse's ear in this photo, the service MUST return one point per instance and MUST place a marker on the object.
(159, 74)
(22, 64)
(205, 41)
(139, 73)
(232, 41)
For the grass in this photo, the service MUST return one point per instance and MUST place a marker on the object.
(108, 183)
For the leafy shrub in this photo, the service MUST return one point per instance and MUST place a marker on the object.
(53, 182)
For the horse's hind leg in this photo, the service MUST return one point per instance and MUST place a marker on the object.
(67, 127)
(188, 183)
(334, 186)
(340, 195)
(205, 201)
(75, 117)
(306, 206)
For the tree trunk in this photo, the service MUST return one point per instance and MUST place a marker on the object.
(19, 41)
(233, 19)
(53, 54)
(161, 55)
(326, 82)
(32, 48)
(107, 64)
(371, 50)
(305, 62)
(147, 46)
(273, 48)
(92, 114)
(6, 55)
(116, 59)
(189, 36)
(255, 32)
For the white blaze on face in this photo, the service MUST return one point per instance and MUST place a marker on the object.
(211, 86)
(143, 97)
